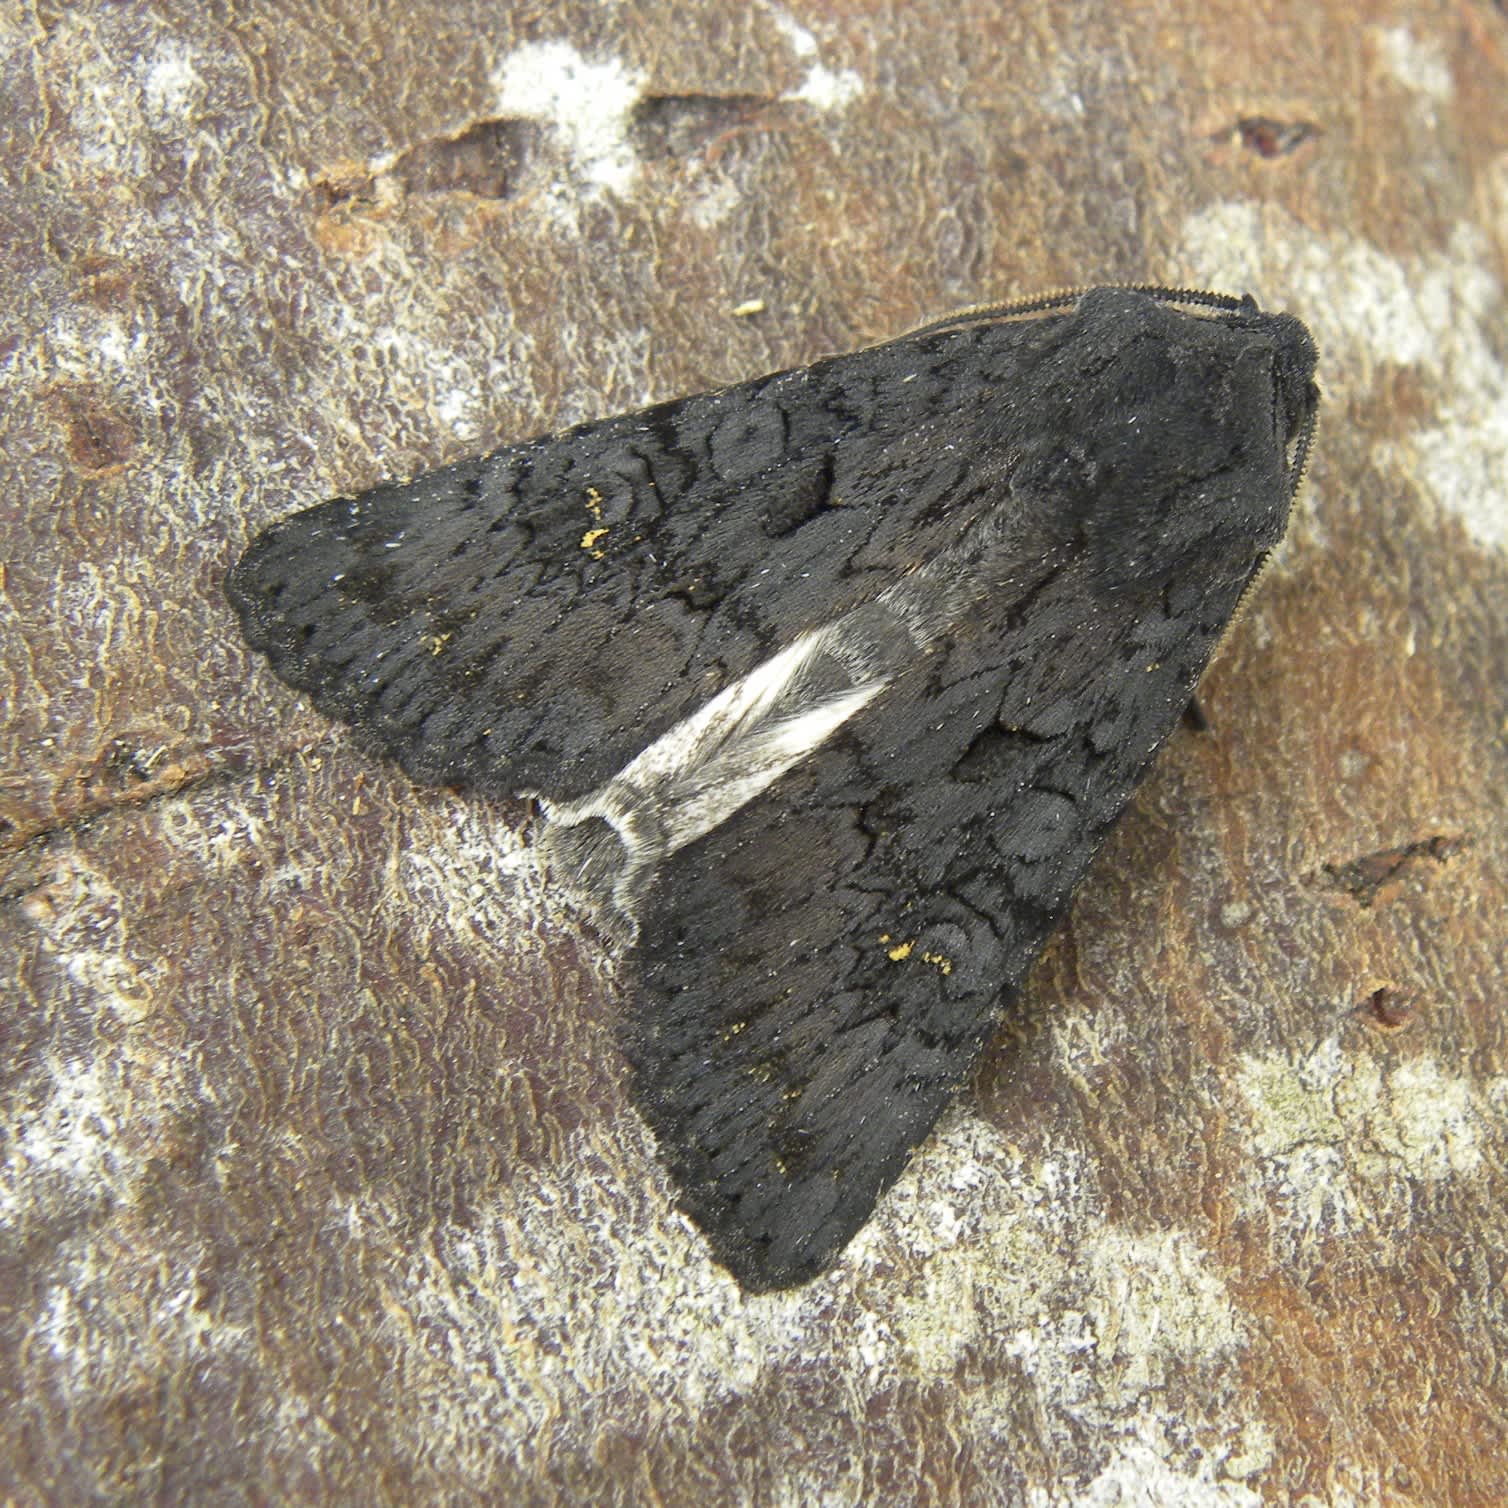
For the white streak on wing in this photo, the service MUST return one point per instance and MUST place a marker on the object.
(738, 774)
(701, 771)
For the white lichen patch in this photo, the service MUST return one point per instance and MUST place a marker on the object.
(100, 117)
(1096, 1321)
(1060, 96)
(91, 344)
(1086, 1041)
(1419, 65)
(1101, 1320)
(970, 1188)
(1145, 1471)
(713, 203)
(823, 88)
(1433, 1123)
(588, 105)
(1235, 914)
(81, 917)
(1156, 1306)
(111, 1314)
(1438, 313)
(517, 1317)
(520, 1315)
(534, 1308)
(798, 37)
(82, 1128)
(459, 404)
(1132, 1313)
(72, 1135)
(1338, 1137)
(115, 1318)
(171, 86)
(472, 875)
(460, 383)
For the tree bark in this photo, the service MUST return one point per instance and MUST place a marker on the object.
(318, 1177)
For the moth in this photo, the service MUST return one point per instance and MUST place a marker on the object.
(827, 685)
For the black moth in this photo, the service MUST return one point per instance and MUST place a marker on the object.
(829, 684)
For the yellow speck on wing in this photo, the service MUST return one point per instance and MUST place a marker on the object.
(900, 950)
(938, 961)
(734, 1030)
(594, 502)
(437, 643)
(590, 538)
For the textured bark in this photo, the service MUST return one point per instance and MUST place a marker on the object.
(317, 1175)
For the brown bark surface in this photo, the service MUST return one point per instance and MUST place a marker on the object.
(317, 1174)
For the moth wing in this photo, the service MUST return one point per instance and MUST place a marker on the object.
(530, 619)
(818, 974)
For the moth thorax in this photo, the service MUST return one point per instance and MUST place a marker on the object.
(594, 860)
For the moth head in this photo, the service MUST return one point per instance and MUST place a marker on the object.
(1180, 449)
(1296, 395)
